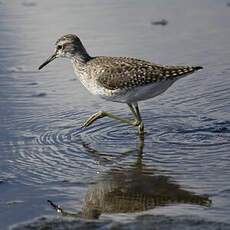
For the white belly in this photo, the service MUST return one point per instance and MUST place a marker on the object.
(142, 92)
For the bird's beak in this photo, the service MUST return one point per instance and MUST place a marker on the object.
(51, 58)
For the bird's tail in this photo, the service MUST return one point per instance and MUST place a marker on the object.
(197, 67)
(172, 72)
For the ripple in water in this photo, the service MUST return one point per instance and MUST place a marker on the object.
(190, 131)
(65, 152)
(60, 151)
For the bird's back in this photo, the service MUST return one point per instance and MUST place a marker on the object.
(121, 72)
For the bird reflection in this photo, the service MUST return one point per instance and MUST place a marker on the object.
(134, 188)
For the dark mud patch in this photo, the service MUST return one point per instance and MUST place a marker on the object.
(32, 83)
(39, 95)
(162, 22)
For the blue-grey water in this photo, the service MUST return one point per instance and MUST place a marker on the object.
(183, 167)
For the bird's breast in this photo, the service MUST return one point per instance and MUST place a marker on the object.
(90, 82)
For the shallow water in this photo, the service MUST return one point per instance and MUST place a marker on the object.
(183, 165)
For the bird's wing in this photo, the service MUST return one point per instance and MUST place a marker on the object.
(130, 73)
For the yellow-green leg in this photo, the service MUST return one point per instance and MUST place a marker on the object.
(136, 122)
(135, 110)
(102, 114)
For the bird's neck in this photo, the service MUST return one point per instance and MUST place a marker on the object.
(81, 56)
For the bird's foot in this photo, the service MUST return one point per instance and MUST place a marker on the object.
(136, 122)
(93, 118)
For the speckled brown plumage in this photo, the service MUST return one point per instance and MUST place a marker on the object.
(121, 72)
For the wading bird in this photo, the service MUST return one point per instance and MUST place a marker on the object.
(118, 79)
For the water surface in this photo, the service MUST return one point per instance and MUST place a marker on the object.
(183, 165)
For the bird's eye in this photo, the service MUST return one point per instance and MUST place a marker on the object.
(59, 47)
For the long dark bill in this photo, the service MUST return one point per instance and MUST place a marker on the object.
(51, 58)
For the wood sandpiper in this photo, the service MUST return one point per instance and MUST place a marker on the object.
(118, 79)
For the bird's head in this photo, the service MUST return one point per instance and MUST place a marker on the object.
(68, 46)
